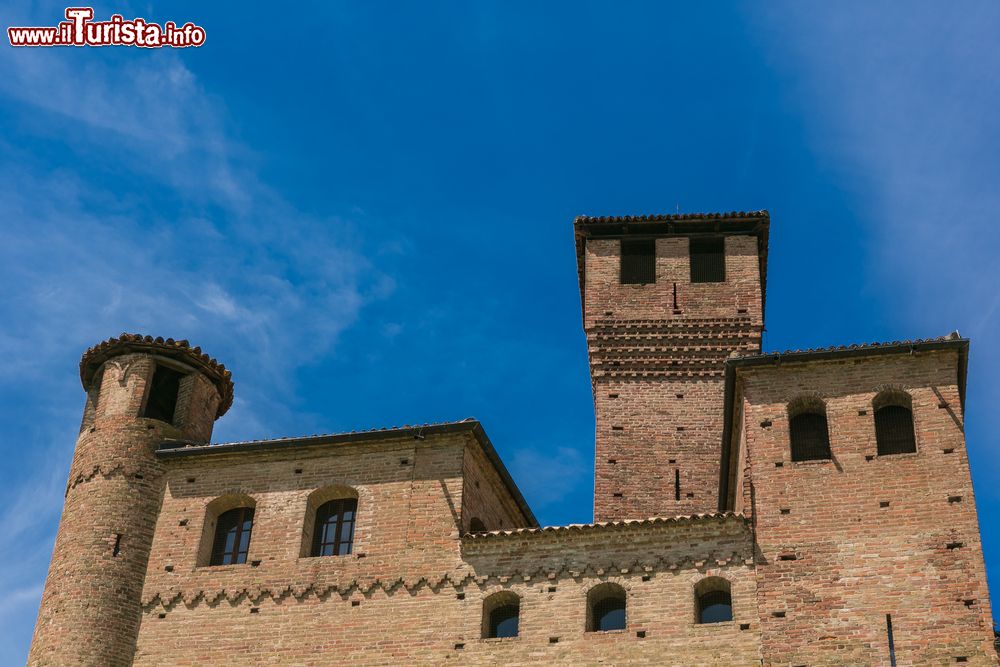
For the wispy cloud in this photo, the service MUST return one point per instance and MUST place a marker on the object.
(903, 107)
(193, 244)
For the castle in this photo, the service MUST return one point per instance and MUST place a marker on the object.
(811, 507)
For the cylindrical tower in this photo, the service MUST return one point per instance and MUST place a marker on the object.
(140, 392)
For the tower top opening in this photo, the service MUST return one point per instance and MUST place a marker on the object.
(177, 350)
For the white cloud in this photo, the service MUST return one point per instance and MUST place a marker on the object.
(241, 272)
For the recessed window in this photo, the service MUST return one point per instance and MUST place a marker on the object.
(476, 525)
(708, 260)
(501, 615)
(232, 537)
(162, 399)
(714, 600)
(606, 608)
(333, 534)
(638, 261)
(894, 423)
(810, 437)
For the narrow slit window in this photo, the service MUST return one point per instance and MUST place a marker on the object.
(334, 531)
(708, 260)
(162, 400)
(638, 261)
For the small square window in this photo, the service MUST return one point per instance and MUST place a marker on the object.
(638, 261)
(708, 260)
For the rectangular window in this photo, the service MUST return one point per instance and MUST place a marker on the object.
(638, 261)
(708, 260)
(162, 400)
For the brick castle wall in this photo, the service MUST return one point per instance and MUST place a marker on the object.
(656, 354)
(413, 591)
(90, 609)
(870, 535)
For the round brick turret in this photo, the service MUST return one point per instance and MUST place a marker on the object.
(141, 391)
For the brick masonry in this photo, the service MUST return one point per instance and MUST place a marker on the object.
(693, 440)
(656, 358)
(870, 534)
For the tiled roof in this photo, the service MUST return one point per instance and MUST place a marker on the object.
(180, 449)
(952, 341)
(180, 349)
(756, 223)
(324, 437)
(607, 525)
(671, 217)
(860, 347)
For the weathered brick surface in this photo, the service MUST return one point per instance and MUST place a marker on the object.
(816, 554)
(656, 356)
(423, 606)
(90, 608)
(856, 560)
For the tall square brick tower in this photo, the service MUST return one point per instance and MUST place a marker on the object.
(666, 299)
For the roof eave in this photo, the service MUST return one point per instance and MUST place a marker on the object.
(953, 342)
(174, 449)
(756, 223)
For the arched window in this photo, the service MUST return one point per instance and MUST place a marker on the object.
(713, 600)
(808, 430)
(501, 614)
(476, 525)
(330, 524)
(333, 534)
(232, 536)
(894, 423)
(606, 608)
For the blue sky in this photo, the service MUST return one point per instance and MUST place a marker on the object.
(371, 223)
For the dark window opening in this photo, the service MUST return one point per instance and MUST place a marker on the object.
(162, 400)
(232, 537)
(503, 621)
(476, 525)
(894, 430)
(607, 608)
(501, 615)
(715, 607)
(333, 534)
(638, 261)
(708, 260)
(810, 437)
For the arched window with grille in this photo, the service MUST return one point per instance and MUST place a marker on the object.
(232, 536)
(808, 431)
(894, 423)
(713, 600)
(606, 608)
(333, 533)
(501, 615)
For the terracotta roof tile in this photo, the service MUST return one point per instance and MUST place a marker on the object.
(128, 343)
(607, 525)
(876, 345)
(671, 217)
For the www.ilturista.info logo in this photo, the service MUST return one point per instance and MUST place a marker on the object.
(81, 30)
